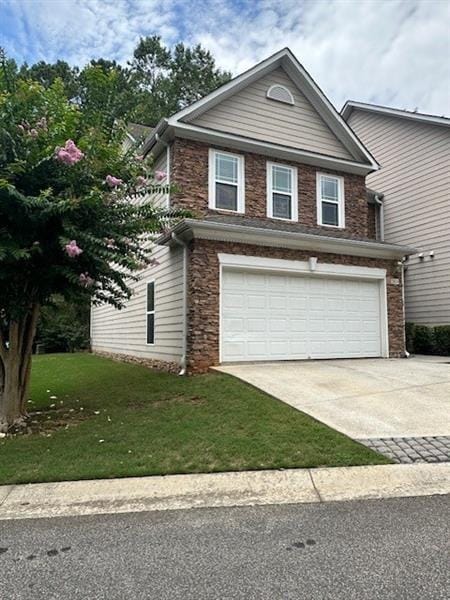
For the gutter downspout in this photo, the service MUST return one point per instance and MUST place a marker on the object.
(379, 200)
(407, 354)
(184, 245)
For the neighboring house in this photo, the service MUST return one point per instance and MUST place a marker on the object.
(280, 262)
(413, 151)
(135, 134)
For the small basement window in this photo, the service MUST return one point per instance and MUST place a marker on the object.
(280, 93)
(151, 312)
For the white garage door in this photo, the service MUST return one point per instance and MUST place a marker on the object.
(269, 316)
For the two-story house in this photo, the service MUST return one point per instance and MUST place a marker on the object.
(413, 182)
(280, 260)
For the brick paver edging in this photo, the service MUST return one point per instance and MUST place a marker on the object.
(412, 449)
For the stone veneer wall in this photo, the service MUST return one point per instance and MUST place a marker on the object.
(158, 365)
(203, 317)
(189, 172)
(372, 221)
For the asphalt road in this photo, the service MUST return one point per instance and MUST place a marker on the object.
(386, 549)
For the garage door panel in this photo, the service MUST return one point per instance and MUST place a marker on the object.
(257, 349)
(234, 325)
(267, 316)
(299, 348)
(276, 302)
(234, 279)
(234, 350)
(255, 281)
(335, 327)
(296, 303)
(256, 325)
(278, 325)
(276, 281)
(233, 300)
(279, 348)
(298, 325)
(256, 301)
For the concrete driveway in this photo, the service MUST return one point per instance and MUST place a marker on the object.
(363, 398)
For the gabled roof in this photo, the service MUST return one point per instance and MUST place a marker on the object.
(362, 161)
(350, 106)
(136, 131)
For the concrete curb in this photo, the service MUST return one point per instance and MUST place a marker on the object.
(173, 492)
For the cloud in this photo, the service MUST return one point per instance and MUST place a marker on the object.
(395, 53)
(384, 51)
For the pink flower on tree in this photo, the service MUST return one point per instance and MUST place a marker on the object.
(160, 175)
(70, 154)
(141, 181)
(34, 133)
(110, 243)
(86, 280)
(42, 123)
(113, 181)
(72, 249)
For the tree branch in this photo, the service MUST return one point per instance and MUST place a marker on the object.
(27, 342)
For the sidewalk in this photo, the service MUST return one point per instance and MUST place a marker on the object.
(172, 492)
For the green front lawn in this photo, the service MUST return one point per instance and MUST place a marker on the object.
(111, 419)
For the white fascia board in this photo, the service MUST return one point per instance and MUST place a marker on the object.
(230, 140)
(226, 232)
(239, 261)
(349, 106)
(155, 136)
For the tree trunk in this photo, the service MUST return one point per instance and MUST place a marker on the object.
(15, 370)
(11, 394)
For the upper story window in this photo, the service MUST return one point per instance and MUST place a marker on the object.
(226, 181)
(330, 200)
(282, 202)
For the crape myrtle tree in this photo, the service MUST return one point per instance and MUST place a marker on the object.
(67, 225)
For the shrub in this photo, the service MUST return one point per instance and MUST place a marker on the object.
(64, 326)
(423, 339)
(442, 339)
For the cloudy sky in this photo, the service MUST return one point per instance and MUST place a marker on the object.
(391, 52)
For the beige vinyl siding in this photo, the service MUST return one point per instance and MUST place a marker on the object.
(415, 179)
(124, 331)
(160, 164)
(251, 114)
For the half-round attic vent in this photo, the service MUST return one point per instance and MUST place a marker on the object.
(280, 94)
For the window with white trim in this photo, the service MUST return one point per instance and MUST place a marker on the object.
(151, 312)
(282, 199)
(330, 200)
(226, 181)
